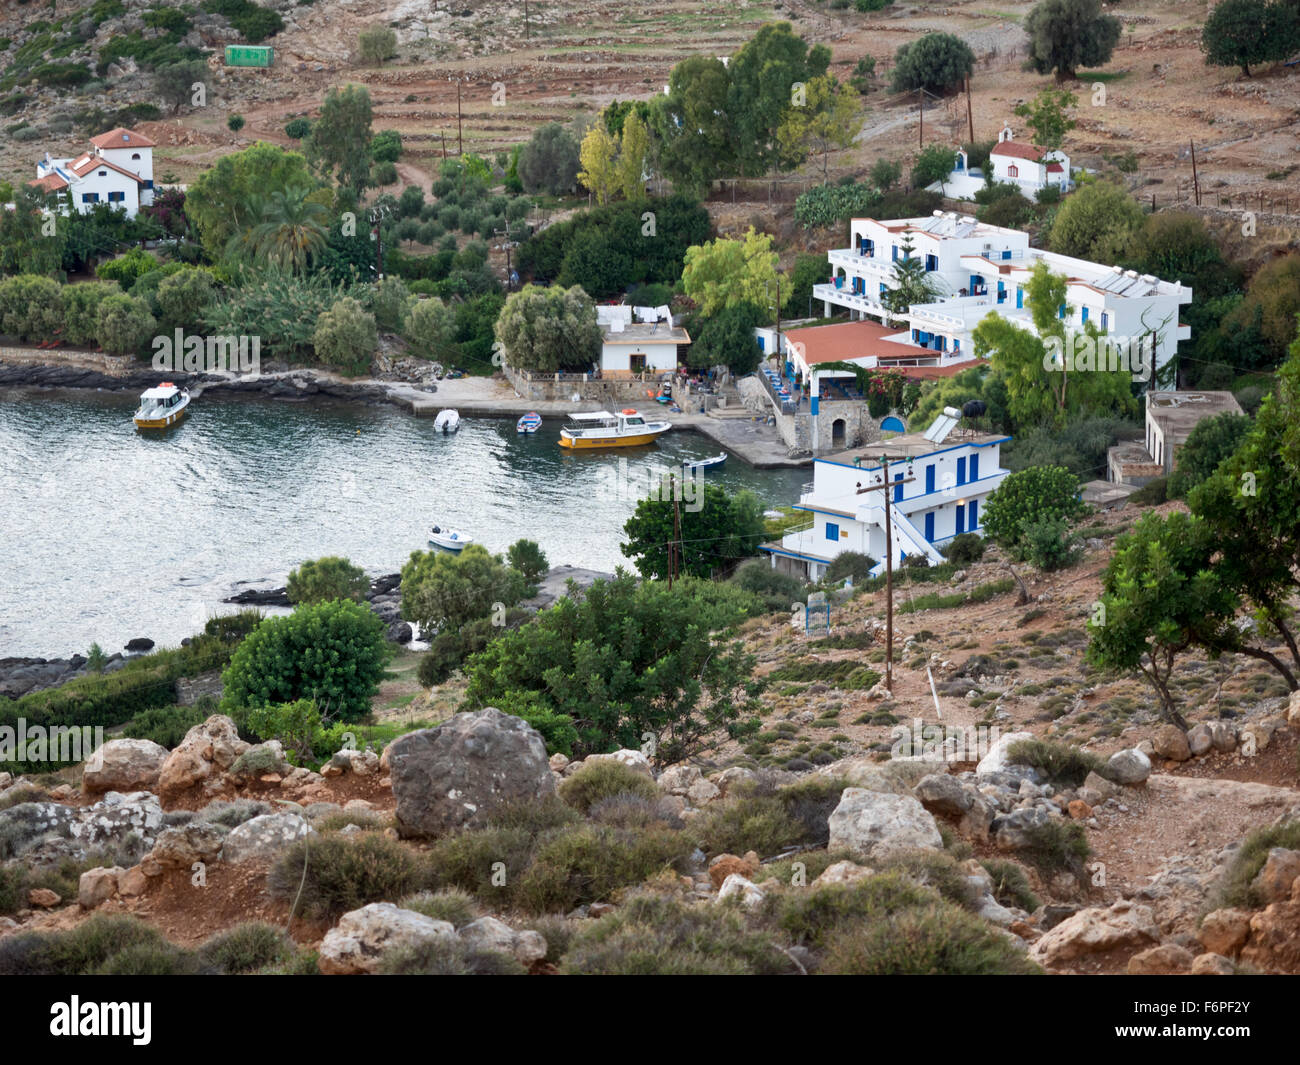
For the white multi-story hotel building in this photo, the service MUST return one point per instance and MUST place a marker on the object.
(976, 269)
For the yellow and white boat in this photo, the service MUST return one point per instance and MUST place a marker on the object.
(162, 406)
(627, 428)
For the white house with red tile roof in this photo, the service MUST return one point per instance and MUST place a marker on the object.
(1011, 162)
(117, 169)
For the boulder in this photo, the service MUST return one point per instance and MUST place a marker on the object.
(359, 763)
(1129, 768)
(735, 775)
(181, 846)
(1096, 930)
(1199, 740)
(996, 759)
(123, 765)
(68, 831)
(1101, 788)
(873, 824)
(1275, 938)
(1078, 810)
(1171, 742)
(1280, 871)
(206, 749)
(1014, 831)
(688, 782)
(1293, 709)
(98, 886)
(1223, 736)
(1212, 965)
(1165, 960)
(628, 757)
(43, 898)
(1224, 931)
(263, 838)
(943, 794)
(489, 933)
(448, 777)
(736, 886)
(139, 645)
(361, 939)
(844, 873)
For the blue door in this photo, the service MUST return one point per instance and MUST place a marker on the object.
(974, 469)
(961, 518)
(929, 479)
(961, 471)
(929, 526)
(974, 514)
(1020, 297)
(898, 488)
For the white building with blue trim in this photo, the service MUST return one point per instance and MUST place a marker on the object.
(939, 482)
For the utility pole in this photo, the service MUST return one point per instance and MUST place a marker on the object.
(920, 133)
(887, 486)
(460, 142)
(677, 532)
(1196, 184)
(970, 118)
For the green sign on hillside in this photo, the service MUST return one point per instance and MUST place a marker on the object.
(249, 55)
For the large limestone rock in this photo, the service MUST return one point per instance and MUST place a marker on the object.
(124, 765)
(943, 794)
(1165, 960)
(1280, 871)
(97, 886)
(1225, 931)
(489, 933)
(1275, 937)
(180, 846)
(1200, 740)
(1096, 930)
(361, 939)
(56, 831)
(448, 777)
(1129, 768)
(263, 838)
(688, 783)
(996, 760)
(874, 824)
(1171, 742)
(206, 750)
(1293, 709)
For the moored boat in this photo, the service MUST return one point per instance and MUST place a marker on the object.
(162, 406)
(529, 423)
(449, 539)
(448, 421)
(627, 428)
(704, 464)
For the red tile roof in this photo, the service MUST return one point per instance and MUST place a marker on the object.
(1054, 168)
(1020, 151)
(86, 163)
(851, 340)
(122, 138)
(49, 183)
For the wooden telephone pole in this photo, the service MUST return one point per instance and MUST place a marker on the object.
(673, 547)
(887, 485)
(970, 118)
(920, 133)
(1196, 184)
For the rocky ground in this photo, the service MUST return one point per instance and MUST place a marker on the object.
(1127, 859)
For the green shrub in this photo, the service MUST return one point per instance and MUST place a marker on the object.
(467, 860)
(1057, 845)
(1152, 494)
(529, 559)
(322, 579)
(651, 935)
(1236, 885)
(743, 823)
(1010, 884)
(603, 779)
(167, 725)
(587, 863)
(150, 959)
(777, 590)
(964, 548)
(449, 957)
(345, 872)
(449, 904)
(1062, 764)
(78, 951)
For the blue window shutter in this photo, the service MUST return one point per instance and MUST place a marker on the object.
(894, 255)
(974, 514)
(961, 518)
(762, 344)
(974, 467)
(929, 479)
(832, 531)
(898, 488)
(961, 471)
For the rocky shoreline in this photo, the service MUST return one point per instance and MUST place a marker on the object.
(18, 676)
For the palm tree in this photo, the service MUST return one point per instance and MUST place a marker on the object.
(911, 283)
(292, 230)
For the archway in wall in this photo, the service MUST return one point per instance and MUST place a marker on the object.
(892, 425)
(837, 432)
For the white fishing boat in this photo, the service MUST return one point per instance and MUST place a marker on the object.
(448, 421)
(161, 407)
(529, 423)
(704, 464)
(627, 428)
(449, 539)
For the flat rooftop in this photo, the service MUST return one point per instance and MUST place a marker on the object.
(647, 333)
(1179, 412)
(910, 446)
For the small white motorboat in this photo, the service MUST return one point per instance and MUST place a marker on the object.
(529, 423)
(448, 421)
(704, 464)
(449, 539)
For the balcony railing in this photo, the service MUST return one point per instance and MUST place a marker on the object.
(785, 406)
